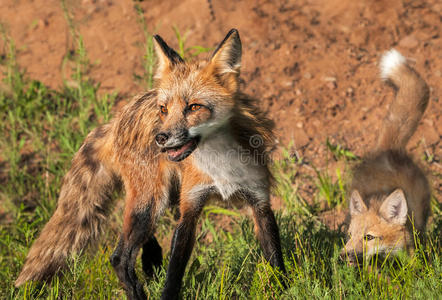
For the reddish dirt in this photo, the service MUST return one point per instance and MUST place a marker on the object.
(312, 63)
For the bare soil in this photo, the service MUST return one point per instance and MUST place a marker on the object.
(312, 63)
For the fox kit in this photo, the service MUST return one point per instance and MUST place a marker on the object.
(390, 195)
(193, 137)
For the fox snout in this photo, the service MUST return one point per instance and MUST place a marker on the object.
(178, 143)
(351, 257)
(161, 138)
(172, 138)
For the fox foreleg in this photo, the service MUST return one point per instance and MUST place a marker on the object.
(266, 230)
(182, 244)
(137, 231)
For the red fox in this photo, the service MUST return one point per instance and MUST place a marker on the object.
(193, 137)
(390, 195)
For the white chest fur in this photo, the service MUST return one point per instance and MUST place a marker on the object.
(231, 167)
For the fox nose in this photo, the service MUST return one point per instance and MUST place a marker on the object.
(343, 256)
(350, 258)
(161, 138)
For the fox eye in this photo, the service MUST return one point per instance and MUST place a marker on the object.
(369, 237)
(194, 107)
(163, 109)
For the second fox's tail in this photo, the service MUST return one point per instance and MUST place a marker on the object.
(406, 111)
(84, 203)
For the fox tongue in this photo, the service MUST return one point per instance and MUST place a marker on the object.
(174, 153)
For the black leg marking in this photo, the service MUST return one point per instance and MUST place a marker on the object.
(182, 245)
(152, 256)
(124, 257)
(123, 261)
(266, 229)
(268, 235)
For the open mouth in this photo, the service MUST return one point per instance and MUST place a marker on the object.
(181, 152)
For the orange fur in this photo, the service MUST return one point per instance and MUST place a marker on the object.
(390, 193)
(163, 149)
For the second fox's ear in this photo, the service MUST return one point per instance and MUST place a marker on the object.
(394, 208)
(167, 57)
(226, 61)
(357, 205)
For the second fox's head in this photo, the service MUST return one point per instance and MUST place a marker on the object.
(194, 99)
(378, 229)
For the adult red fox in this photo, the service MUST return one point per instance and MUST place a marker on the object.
(390, 195)
(193, 137)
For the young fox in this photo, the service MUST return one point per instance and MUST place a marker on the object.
(390, 195)
(193, 137)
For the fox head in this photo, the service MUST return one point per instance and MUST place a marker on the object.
(195, 98)
(379, 229)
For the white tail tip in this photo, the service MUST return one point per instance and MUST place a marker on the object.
(390, 61)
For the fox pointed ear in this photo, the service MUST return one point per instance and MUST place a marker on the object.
(167, 57)
(394, 208)
(226, 61)
(357, 205)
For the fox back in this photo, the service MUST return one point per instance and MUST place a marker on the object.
(390, 194)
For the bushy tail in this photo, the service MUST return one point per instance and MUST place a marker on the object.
(84, 203)
(405, 112)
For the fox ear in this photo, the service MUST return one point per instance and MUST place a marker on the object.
(226, 61)
(167, 57)
(394, 208)
(357, 205)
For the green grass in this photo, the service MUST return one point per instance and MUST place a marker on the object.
(149, 59)
(149, 51)
(42, 129)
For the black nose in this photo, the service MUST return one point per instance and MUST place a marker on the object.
(351, 258)
(161, 138)
(343, 256)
